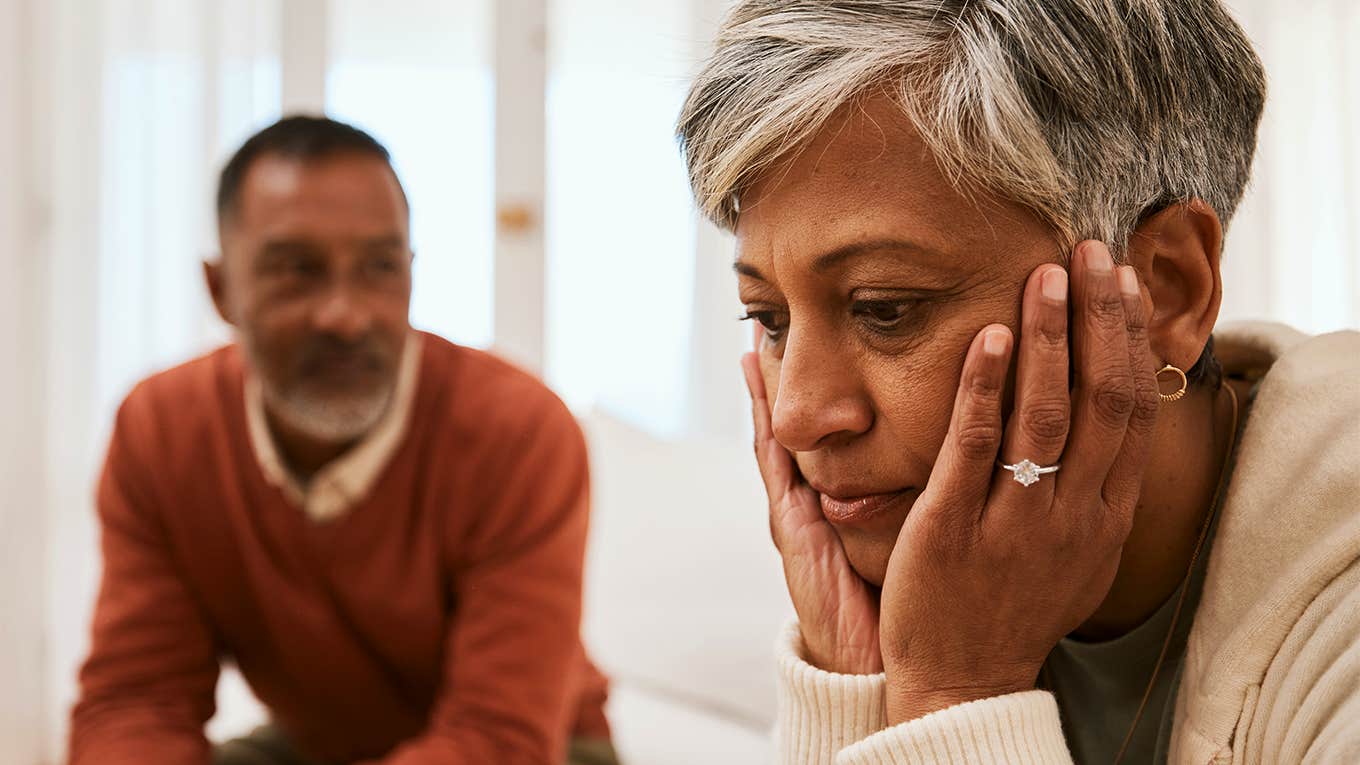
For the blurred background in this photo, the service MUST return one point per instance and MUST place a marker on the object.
(552, 222)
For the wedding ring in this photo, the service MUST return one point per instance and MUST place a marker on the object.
(1027, 473)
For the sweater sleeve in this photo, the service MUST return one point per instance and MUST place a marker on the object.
(820, 713)
(513, 655)
(146, 689)
(831, 719)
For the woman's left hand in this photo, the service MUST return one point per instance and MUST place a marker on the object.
(988, 575)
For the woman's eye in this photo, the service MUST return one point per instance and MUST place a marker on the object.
(882, 314)
(773, 321)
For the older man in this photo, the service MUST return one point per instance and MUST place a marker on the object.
(384, 531)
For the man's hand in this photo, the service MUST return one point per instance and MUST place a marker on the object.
(988, 575)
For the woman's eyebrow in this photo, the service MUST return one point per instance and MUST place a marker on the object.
(746, 269)
(826, 260)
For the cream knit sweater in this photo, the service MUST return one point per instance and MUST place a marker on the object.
(1272, 668)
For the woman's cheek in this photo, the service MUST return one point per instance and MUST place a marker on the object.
(917, 402)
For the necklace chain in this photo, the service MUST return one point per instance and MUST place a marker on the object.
(1185, 588)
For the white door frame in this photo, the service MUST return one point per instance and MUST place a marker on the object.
(520, 71)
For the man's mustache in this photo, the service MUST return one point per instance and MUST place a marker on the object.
(322, 351)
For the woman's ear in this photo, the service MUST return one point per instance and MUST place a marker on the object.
(1177, 252)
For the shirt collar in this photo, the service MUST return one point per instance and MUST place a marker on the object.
(346, 480)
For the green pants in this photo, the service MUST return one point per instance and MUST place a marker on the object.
(268, 745)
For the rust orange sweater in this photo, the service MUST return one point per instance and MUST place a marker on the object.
(436, 622)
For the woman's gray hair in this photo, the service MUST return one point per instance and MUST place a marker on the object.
(1091, 113)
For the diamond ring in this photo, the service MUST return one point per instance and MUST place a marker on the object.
(1026, 473)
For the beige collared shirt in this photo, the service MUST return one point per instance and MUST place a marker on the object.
(340, 484)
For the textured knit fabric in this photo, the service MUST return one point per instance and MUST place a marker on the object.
(435, 621)
(1271, 673)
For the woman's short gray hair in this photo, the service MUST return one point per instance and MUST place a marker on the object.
(1091, 113)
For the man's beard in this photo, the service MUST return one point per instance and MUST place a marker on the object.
(332, 418)
(329, 416)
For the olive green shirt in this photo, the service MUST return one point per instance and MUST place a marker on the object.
(1099, 685)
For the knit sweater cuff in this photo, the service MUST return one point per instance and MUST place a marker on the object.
(820, 712)
(1016, 728)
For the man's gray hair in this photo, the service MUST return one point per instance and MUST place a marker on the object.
(1091, 113)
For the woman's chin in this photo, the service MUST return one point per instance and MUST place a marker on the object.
(868, 553)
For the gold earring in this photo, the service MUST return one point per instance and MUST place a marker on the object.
(1185, 383)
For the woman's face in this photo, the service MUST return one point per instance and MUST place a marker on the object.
(870, 275)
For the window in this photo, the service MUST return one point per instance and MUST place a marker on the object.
(620, 226)
(417, 76)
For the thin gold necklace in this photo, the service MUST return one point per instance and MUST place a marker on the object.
(1185, 583)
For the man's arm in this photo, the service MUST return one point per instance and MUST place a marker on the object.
(513, 654)
(146, 689)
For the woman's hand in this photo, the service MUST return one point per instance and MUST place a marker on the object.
(837, 610)
(988, 575)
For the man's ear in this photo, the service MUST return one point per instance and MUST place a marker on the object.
(1176, 251)
(215, 278)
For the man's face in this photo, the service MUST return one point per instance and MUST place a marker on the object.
(871, 275)
(316, 279)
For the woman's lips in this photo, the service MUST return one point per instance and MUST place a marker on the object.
(858, 510)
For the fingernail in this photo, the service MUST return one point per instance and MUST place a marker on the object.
(1098, 259)
(1054, 284)
(994, 342)
(1128, 281)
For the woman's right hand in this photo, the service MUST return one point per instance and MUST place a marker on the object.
(837, 610)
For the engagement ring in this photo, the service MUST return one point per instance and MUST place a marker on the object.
(1025, 472)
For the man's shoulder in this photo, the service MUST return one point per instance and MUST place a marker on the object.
(478, 389)
(184, 396)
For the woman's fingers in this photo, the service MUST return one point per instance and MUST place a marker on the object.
(792, 504)
(967, 458)
(1041, 417)
(1124, 482)
(1103, 395)
(772, 469)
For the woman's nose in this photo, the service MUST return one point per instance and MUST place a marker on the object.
(819, 400)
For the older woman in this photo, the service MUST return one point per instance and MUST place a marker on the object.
(1029, 510)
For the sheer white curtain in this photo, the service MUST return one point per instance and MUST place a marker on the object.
(22, 559)
(1294, 252)
(417, 74)
(621, 236)
(126, 109)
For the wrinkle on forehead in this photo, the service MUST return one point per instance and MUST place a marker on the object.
(867, 174)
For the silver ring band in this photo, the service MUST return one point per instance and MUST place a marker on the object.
(1027, 473)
